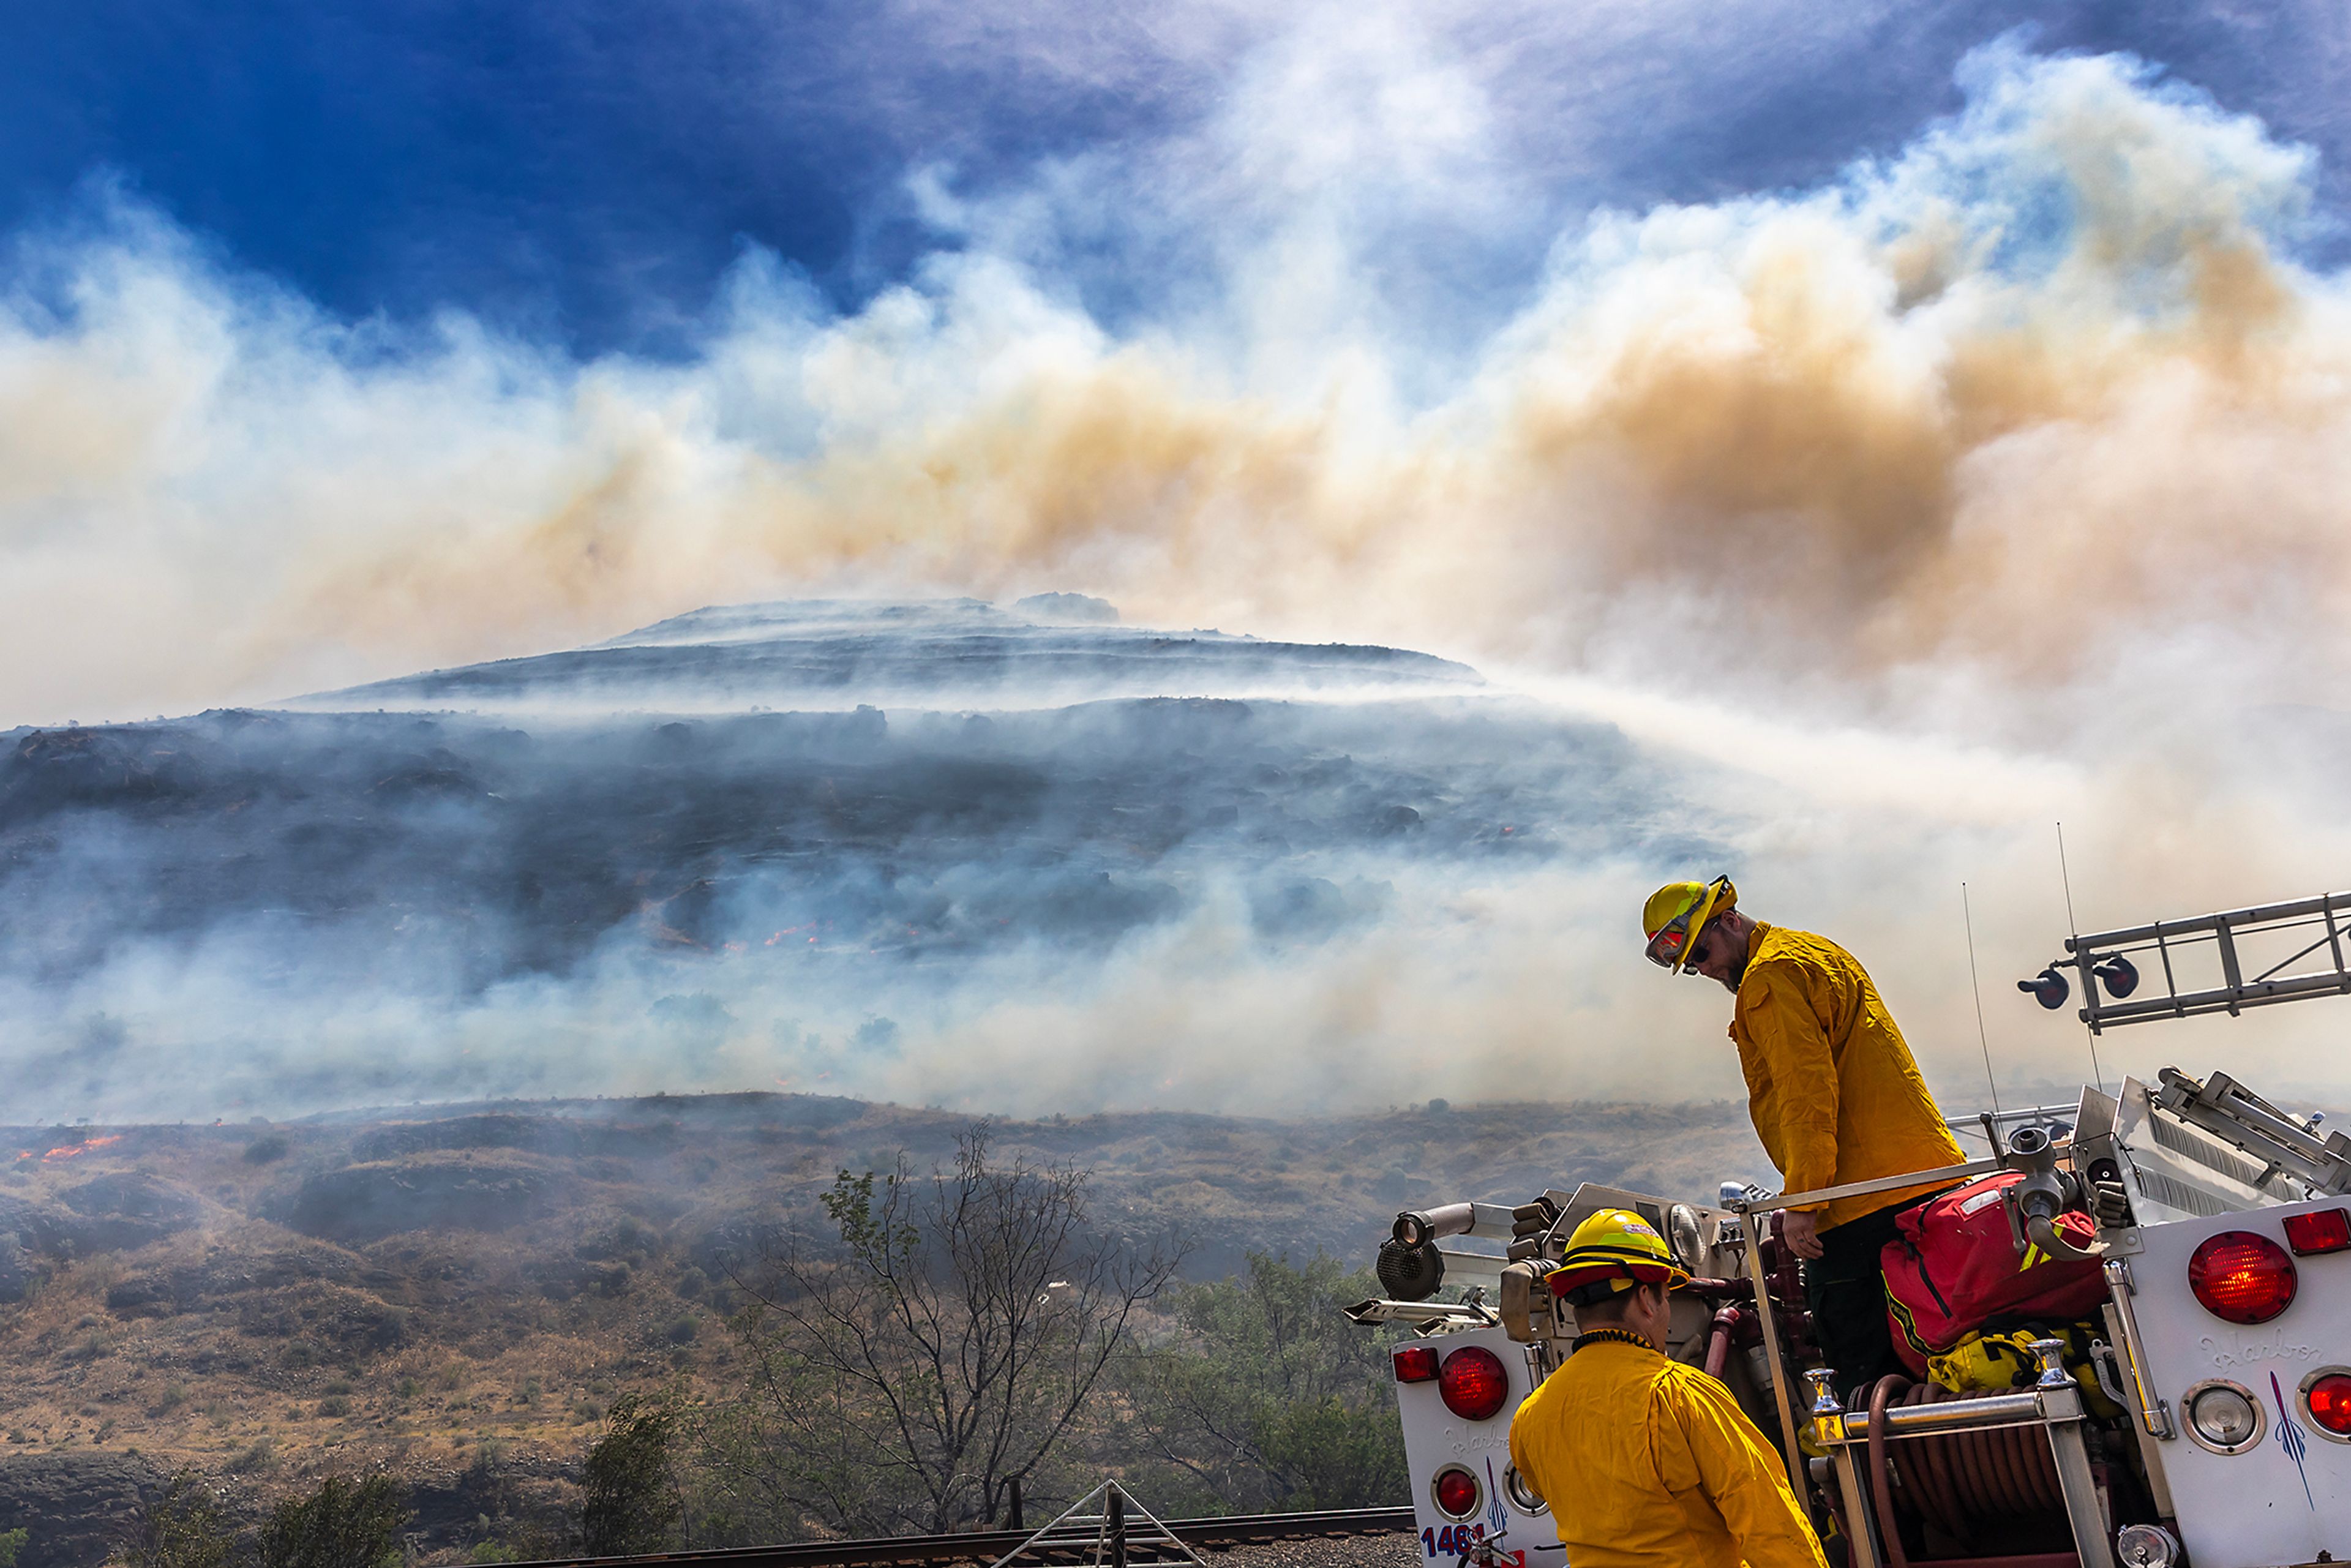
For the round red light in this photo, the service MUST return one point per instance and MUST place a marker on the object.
(2329, 1398)
(2241, 1276)
(1472, 1382)
(1456, 1493)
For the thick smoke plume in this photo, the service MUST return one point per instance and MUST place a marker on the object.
(2043, 385)
(1999, 481)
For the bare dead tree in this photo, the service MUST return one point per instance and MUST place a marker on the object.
(943, 1351)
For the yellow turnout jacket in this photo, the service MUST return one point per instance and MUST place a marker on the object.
(1830, 1084)
(1647, 1463)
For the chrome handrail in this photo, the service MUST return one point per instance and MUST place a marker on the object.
(2153, 1414)
(1942, 1174)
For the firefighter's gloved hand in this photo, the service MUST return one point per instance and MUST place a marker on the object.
(1533, 1218)
(2110, 1202)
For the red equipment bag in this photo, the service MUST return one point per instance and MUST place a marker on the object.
(1955, 1269)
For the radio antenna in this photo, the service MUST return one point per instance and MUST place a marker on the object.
(2073, 927)
(1968, 914)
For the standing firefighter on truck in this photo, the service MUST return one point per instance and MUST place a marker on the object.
(1647, 1463)
(1833, 1091)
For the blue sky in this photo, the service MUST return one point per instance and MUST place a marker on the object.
(583, 172)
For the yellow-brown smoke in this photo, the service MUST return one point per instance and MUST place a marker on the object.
(1908, 426)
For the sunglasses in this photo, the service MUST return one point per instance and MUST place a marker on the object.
(1665, 947)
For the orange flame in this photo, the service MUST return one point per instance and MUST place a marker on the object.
(68, 1151)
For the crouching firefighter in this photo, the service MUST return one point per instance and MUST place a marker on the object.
(1834, 1094)
(1647, 1463)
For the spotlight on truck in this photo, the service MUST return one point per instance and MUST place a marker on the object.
(2047, 987)
(2118, 975)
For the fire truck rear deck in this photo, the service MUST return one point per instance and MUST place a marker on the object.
(2202, 1417)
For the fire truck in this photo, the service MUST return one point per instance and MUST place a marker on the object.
(2198, 1414)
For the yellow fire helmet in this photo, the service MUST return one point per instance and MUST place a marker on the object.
(1676, 913)
(1616, 1248)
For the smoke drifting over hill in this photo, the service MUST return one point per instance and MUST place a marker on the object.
(296, 910)
(1998, 481)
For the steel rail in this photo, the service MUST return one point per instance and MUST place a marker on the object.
(987, 1545)
(1942, 1174)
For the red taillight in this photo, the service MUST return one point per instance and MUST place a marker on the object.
(2244, 1278)
(2328, 1230)
(1473, 1384)
(1416, 1364)
(1456, 1491)
(2329, 1397)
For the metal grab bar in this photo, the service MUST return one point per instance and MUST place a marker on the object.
(1959, 1415)
(2153, 1414)
(1944, 1174)
(1833, 1425)
(1774, 1362)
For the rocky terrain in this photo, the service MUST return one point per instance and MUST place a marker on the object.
(458, 1292)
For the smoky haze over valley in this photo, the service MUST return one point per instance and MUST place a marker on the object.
(696, 857)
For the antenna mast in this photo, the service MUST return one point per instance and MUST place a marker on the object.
(2073, 927)
(1982, 1035)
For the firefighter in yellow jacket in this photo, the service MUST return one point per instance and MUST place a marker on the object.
(1834, 1094)
(1647, 1463)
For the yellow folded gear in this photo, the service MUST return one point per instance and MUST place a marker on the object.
(1999, 1362)
(1985, 1362)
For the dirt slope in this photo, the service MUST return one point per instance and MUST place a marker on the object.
(459, 1292)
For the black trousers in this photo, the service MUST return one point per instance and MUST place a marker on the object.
(1846, 1289)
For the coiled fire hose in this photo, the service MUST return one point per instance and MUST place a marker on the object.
(1949, 1479)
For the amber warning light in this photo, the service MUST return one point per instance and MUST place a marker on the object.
(2328, 1230)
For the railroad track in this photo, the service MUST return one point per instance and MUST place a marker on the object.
(987, 1545)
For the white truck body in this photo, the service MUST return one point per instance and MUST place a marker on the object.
(2287, 1498)
(1435, 1439)
(2281, 1500)
(2183, 1475)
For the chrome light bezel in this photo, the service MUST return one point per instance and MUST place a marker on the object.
(2196, 1434)
(2302, 1397)
(1477, 1498)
